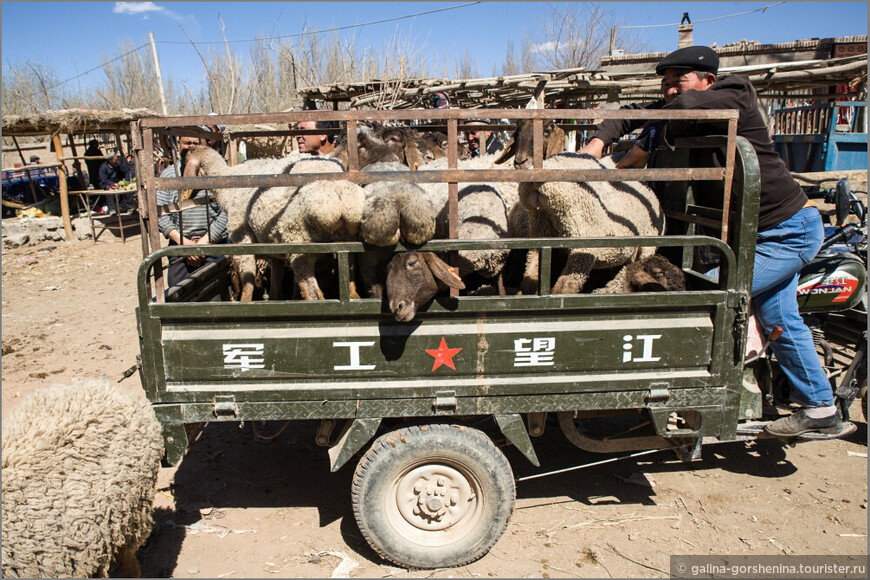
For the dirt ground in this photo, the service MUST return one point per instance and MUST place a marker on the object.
(242, 506)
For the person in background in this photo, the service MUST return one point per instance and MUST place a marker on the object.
(98, 201)
(475, 137)
(439, 100)
(790, 230)
(77, 179)
(315, 144)
(203, 224)
(34, 160)
(131, 166)
(113, 170)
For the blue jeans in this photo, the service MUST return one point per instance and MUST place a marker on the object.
(780, 254)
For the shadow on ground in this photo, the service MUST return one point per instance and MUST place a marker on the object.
(229, 467)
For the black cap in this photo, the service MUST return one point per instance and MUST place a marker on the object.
(696, 58)
(34, 158)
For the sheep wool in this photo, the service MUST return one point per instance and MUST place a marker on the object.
(482, 215)
(79, 464)
(593, 209)
(320, 211)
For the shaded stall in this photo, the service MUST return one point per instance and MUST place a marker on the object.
(72, 122)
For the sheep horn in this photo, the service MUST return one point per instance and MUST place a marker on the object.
(509, 151)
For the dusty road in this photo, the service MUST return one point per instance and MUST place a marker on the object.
(240, 506)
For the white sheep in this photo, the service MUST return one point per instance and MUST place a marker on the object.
(583, 210)
(394, 210)
(482, 211)
(80, 465)
(320, 211)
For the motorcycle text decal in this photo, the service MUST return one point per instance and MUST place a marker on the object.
(843, 286)
(243, 356)
(646, 342)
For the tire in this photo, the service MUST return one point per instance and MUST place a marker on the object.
(456, 463)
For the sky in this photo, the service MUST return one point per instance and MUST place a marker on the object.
(72, 37)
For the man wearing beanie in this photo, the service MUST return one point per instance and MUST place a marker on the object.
(790, 230)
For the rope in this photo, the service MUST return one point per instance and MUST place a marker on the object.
(707, 19)
(596, 463)
(270, 437)
(334, 29)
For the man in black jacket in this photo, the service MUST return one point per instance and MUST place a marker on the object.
(790, 229)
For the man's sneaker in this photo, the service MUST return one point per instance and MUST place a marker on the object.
(798, 423)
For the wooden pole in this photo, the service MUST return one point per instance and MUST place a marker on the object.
(157, 72)
(64, 193)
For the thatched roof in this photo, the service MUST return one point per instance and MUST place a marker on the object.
(773, 70)
(73, 121)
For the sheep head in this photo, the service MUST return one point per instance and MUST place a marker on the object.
(520, 145)
(370, 147)
(437, 143)
(414, 278)
(201, 160)
(655, 274)
(408, 145)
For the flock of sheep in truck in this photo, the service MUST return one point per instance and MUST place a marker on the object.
(383, 213)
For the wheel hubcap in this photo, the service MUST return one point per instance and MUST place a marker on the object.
(433, 497)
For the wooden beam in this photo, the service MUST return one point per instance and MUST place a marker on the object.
(61, 182)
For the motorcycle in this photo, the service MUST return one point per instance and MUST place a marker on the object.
(832, 297)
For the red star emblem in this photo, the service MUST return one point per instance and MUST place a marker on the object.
(443, 355)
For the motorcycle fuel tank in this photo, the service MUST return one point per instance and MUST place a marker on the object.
(830, 283)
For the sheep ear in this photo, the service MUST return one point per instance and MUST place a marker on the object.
(509, 151)
(442, 271)
(192, 168)
(555, 142)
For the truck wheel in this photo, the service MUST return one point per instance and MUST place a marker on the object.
(433, 496)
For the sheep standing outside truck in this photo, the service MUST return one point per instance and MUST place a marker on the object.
(80, 465)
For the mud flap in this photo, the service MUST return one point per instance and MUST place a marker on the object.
(513, 428)
(690, 451)
(357, 434)
(174, 433)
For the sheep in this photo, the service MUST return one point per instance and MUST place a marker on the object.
(80, 466)
(652, 274)
(371, 148)
(393, 210)
(578, 210)
(482, 215)
(520, 145)
(396, 210)
(316, 212)
(414, 278)
(408, 145)
(437, 143)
